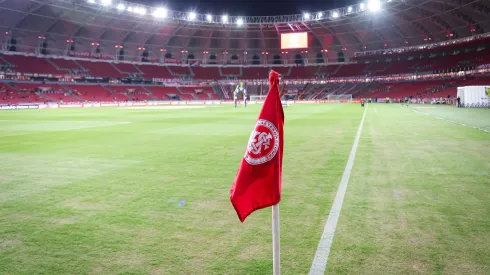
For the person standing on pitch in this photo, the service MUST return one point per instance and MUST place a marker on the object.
(459, 102)
(239, 88)
(235, 97)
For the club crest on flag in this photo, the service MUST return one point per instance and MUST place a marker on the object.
(263, 143)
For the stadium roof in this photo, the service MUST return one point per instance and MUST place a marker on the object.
(353, 28)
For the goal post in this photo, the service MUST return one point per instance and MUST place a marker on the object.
(347, 98)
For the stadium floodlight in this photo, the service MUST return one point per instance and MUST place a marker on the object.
(320, 15)
(121, 7)
(192, 15)
(140, 11)
(209, 17)
(306, 16)
(91, 1)
(130, 9)
(374, 5)
(160, 13)
(105, 2)
(335, 14)
(239, 21)
(349, 9)
(224, 18)
(361, 6)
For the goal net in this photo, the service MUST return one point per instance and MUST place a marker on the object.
(339, 98)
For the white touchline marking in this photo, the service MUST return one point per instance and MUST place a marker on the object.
(458, 123)
(40, 120)
(68, 129)
(323, 250)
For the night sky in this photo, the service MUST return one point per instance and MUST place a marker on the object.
(249, 7)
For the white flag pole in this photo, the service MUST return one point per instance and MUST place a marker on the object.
(276, 240)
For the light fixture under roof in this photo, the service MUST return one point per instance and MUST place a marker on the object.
(374, 5)
(159, 13)
(141, 11)
(105, 2)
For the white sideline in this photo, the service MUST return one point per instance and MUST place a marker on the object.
(458, 123)
(68, 129)
(40, 120)
(323, 250)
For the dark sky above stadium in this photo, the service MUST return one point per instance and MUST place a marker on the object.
(249, 7)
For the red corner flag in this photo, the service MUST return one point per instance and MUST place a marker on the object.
(258, 181)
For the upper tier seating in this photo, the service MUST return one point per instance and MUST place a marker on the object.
(179, 70)
(350, 70)
(303, 72)
(100, 69)
(64, 64)
(329, 69)
(255, 72)
(155, 71)
(383, 66)
(31, 64)
(206, 73)
(231, 71)
(126, 68)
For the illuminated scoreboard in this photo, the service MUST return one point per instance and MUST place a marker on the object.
(295, 40)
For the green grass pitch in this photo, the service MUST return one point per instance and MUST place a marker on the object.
(99, 191)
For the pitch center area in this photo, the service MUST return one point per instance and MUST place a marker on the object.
(150, 196)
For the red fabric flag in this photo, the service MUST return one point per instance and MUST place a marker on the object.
(258, 181)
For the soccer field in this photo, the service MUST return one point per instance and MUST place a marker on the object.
(146, 191)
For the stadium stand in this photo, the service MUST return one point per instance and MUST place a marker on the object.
(231, 71)
(100, 69)
(126, 68)
(433, 70)
(155, 71)
(64, 64)
(206, 73)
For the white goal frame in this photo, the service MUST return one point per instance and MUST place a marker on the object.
(347, 98)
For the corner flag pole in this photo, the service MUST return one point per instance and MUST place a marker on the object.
(276, 240)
